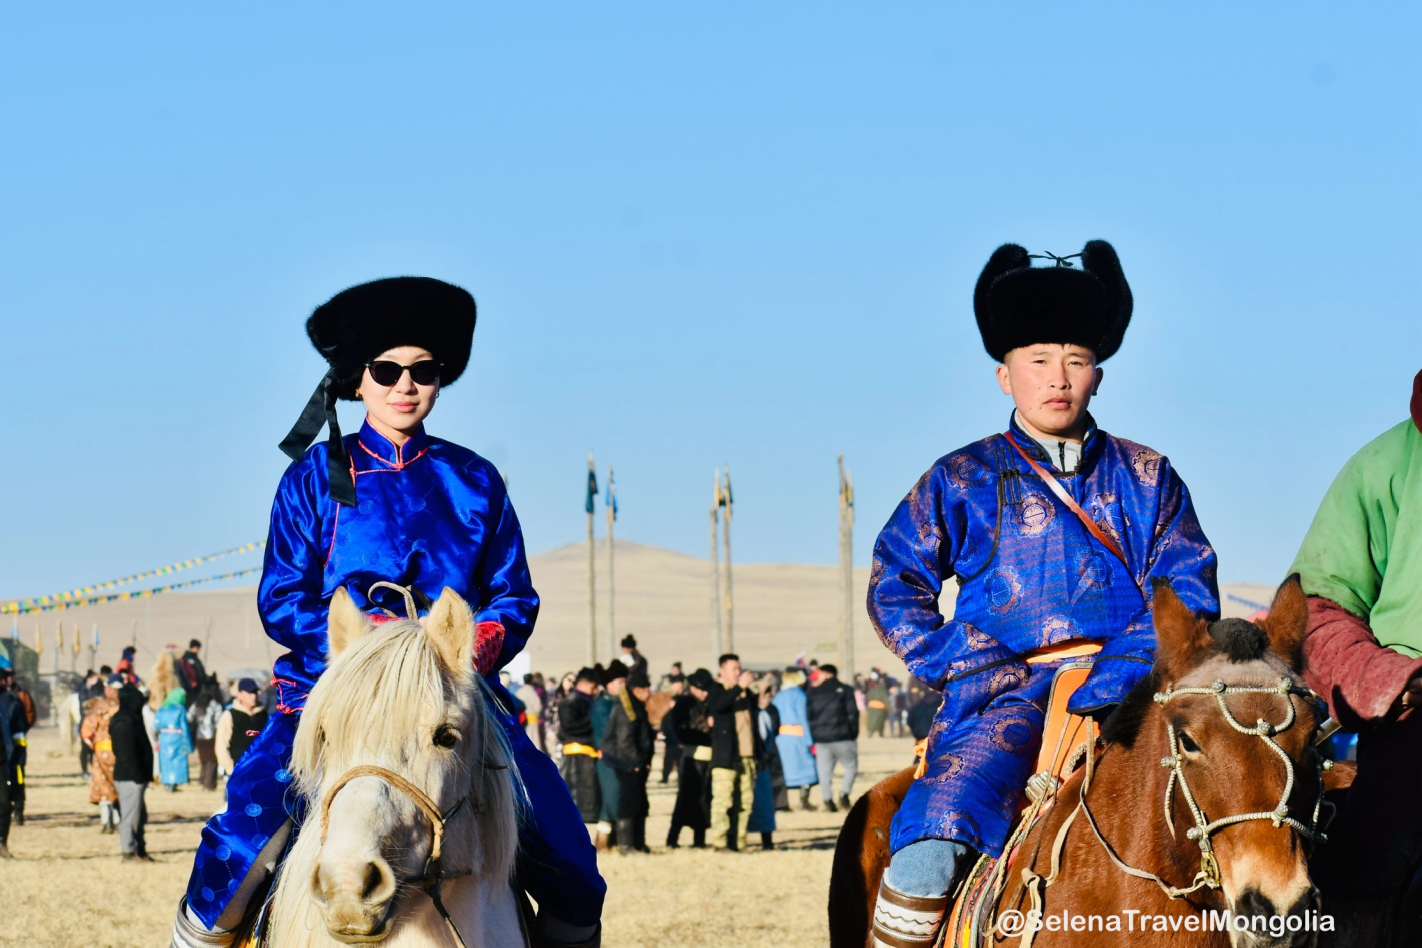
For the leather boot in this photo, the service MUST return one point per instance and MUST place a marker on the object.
(906, 921)
(674, 837)
(698, 839)
(189, 933)
(805, 802)
(639, 835)
(626, 837)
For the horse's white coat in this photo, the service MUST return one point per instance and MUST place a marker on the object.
(387, 691)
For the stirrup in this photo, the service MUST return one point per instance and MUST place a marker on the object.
(188, 934)
(906, 921)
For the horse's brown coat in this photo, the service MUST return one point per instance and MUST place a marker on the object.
(1233, 773)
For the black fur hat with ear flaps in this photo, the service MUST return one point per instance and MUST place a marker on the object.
(358, 324)
(1017, 304)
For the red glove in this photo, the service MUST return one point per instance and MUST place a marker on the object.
(488, 644)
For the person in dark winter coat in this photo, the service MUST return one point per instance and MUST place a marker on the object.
(627, 748)
(634, 660)
(575, 733)
(133, 769)
(613, 678)
(735, 748)
(834, 724)
(693, 782)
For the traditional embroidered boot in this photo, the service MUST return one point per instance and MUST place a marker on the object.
(906, 921)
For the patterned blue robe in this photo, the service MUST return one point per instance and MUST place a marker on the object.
(1029, 575)
(429, 514)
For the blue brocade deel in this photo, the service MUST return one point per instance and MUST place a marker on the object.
(1030, 575)
(432, 515)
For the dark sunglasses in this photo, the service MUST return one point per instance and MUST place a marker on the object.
(424, 372)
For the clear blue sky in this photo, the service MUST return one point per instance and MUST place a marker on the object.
(698, 233)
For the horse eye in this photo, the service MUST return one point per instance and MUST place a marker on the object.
(1187, 744)
(445, 736)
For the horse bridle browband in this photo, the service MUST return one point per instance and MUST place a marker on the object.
(1209, 873)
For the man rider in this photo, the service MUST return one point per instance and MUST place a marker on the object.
(1361, 565)
(1053, 531)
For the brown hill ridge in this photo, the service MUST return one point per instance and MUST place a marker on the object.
(663, 598)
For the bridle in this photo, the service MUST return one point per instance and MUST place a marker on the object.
(434, 873)
(1208, 875)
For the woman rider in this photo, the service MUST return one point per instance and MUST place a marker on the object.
(389, 503)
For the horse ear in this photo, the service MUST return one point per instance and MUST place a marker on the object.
(344, 623)
(1179, 633)
(1287, 622)
(450, 626)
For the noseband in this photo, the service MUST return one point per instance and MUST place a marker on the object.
(1209, 874)
(434, 872)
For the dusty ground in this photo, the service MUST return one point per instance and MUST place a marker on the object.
(67, 886)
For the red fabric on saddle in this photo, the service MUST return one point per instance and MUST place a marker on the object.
(1346, 667)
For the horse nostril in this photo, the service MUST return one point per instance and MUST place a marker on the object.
(373, 878)
(1253, 902)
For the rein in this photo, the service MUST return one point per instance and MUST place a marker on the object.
(1208, 875)
(434, 873)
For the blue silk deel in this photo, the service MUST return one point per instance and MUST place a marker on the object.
(1029, 575)
(432, 515)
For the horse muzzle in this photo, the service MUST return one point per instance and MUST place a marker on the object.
(1274, 926)
(356, 898)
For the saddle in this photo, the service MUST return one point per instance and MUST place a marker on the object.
(862, 855)
(1066, 739)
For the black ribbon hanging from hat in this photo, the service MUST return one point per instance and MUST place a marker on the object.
(321, 409)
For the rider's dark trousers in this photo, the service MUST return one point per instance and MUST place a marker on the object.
(1375, 844)
(557, 864)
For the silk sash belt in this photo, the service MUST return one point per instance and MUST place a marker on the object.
(573, 747)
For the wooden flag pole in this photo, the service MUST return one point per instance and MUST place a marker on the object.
(729, 501)
(592, 566)
(846, 570)
(611, 573)
(717, 634)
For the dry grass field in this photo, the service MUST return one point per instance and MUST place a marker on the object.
(67, 886)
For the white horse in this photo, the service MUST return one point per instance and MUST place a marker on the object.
(411, 796)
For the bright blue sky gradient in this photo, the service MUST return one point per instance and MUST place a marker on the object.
(698, 233)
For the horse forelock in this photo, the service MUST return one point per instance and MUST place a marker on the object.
(377, 699)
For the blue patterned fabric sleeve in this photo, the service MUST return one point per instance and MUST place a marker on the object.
(290, 596)
(509, 597)
(913, 556)
(1180, 553)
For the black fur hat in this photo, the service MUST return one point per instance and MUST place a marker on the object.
(1017, 304)
(360, 323)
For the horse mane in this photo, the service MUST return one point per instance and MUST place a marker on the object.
(1238, 640)
(1124, 724)
(387, 690)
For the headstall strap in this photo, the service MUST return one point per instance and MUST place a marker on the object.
(1209, 873)
(429, 880)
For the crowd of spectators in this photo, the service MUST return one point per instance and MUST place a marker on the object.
(741, 744)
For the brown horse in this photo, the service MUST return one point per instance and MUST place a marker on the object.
(1201, 797)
